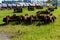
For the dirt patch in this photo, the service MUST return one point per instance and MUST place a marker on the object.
(4, 37)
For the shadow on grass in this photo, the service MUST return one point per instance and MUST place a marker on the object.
(25, 23)
(40, 23)
(4, 24)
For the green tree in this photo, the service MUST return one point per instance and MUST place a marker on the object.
(48, 1)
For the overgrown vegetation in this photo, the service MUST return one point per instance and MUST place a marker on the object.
(30, 32)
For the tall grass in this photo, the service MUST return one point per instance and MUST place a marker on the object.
(31, 32)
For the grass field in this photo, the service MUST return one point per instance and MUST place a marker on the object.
(31, 32)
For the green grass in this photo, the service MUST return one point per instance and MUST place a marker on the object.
(31, 32)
